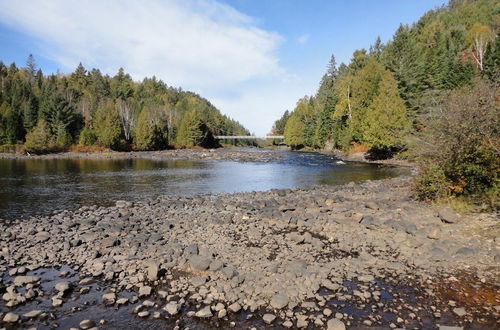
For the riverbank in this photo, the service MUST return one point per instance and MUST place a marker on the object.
(227, 154)
(325, 257)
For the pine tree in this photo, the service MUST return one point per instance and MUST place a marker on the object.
(190, 130)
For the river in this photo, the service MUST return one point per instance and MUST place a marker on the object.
(41, 186)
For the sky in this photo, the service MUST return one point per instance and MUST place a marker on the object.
(252, 59)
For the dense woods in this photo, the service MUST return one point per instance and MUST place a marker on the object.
(430, 90)
(50, 113)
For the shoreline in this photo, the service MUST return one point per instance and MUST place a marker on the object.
(317, 256)
(229, 154)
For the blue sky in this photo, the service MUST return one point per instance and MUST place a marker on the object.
(251, 58)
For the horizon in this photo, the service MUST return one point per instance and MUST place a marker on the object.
(251, 60)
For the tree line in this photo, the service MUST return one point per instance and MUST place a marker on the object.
(389, 99)
(51, 113)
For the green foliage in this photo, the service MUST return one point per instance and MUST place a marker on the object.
(40, 140)
(87, 137)
(69, 103)
(279, 125)
(462, 141)
(194, 132)
(149, 133)
(386, 122)
(294, 131)
(107, 126)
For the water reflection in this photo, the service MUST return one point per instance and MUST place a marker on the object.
(32, 186)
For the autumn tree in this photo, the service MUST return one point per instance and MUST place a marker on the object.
(478, 38)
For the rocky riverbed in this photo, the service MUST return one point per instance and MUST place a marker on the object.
(352, 256)
(226, 154)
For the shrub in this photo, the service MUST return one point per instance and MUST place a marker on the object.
(459, 150)
(87, 137)
(39, 140)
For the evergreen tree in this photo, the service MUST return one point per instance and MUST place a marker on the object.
(386, 122)
(107, 126)
(190, 130)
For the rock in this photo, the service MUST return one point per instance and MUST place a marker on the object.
(86, 281)
(143, 314)
(33, 314)
(172, 308)
(222, 313)
(434, 233)
(460, 311)
(62, 287)
(335, 324)
(268, 318)
(145, 291)
(447, 215)
(302, 321)
(234, 307)
(199, 263)
(109, 298)
(11, 318)
(23, 280)
(122, 301)
(288, 324)
(205, 312)
(465, 251)
(446, 327)
(366, 278)
(87, 324)
(56, 301)
(371, 205)
(153, 270)
(279, 301)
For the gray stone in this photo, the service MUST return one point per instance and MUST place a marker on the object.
(33, 314)
(268, 318)
(447, 215)
(109, 298)
(205, 312)
(172, 308)
(87, 324)
(62, 287)
(144, 291)
(143, 314)
(234, 307)
(279, 301)
(460, 311)
(199, 263)
(335, 324)
(11, 318)
(153, 270)
(23, 280)
(447, 327)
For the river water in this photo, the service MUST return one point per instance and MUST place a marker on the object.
(41, 186)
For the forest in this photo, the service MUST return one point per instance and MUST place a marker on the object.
(429, 94)
(87, 110)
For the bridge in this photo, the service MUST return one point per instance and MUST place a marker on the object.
(248, 137)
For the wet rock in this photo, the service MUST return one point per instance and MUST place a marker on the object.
(32, 314)
(109, 298)
(23, 280)
(11, 318)
(87, 324)
(63, 287)
(143, 314)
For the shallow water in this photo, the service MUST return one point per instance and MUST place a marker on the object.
(41, 186)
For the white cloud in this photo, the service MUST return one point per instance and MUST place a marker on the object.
(191, 43)
(199, 45)
(303, 38)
